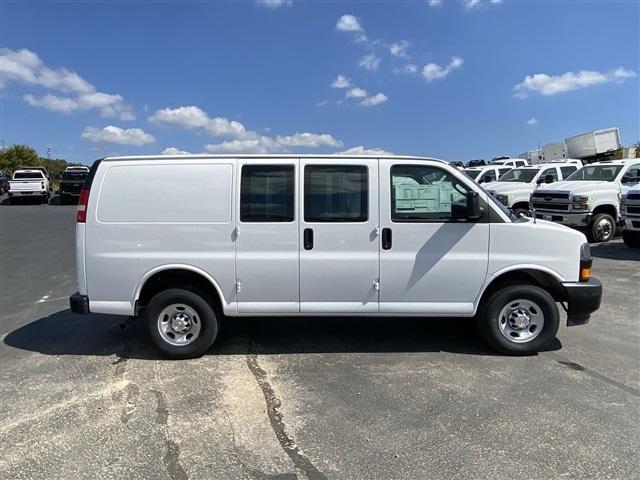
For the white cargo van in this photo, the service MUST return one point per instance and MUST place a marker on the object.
(188, 240)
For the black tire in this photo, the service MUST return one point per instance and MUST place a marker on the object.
(13, 201)
(488, 319)
(209, 324)
(631, 239)
(518, 211)
(595, 234)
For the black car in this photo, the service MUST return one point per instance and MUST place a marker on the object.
(70, 186)
(476, 163)
(4, 183)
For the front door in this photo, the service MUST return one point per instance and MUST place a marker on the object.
(267, 270)
(430, 263)
(339, 236)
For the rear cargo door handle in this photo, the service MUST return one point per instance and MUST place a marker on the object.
(308, 238)
(386, 238)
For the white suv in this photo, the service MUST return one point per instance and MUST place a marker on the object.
(590, 198)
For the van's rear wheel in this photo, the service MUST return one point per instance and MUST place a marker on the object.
(182, 323)
(519, 320)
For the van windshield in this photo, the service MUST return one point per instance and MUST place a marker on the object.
(525, 175)
(606, 173)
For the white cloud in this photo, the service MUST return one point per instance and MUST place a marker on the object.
(341, 82)
(473, 4)
(349, 23)
(435, 3)
(261, 144)
(361, 150)
(273, 4)
(53, 103)
(399, 49)
(406, 69)
(322, 103)
(27, 68)
(433, 71)
(310, 140)
(554, 84)
(241, 140)
(532, 121)
(192, 117)
(369, 62)
(174, 151)
(374, 100)
(111, 134)
(356, 92)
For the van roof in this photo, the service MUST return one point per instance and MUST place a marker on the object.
(265, 156)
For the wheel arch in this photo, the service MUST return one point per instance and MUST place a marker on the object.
(535, 275)
(173, 275)
(606, 208)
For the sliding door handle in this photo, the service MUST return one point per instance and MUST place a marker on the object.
(386, 238)
(308, 238)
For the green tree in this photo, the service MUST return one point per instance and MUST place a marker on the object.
(17, 155)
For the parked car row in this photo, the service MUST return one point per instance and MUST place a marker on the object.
(32, 183)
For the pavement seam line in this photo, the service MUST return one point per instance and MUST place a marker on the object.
(576, 366)
(287, 443)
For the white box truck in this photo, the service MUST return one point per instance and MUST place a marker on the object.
(593, 143)
(185, 241)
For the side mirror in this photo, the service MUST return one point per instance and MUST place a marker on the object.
(548, 179)
(470, 210)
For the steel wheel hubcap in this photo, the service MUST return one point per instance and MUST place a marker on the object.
(179, 324)
(604, 229)
(521, 321)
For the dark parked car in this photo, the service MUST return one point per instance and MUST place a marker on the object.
(4, 183)
(70, 186)
(476, 163)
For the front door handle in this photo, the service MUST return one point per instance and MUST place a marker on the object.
(386, 238)
(308, 238)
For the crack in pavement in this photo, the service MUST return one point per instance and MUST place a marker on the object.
(171, 458)
(254, 472)
(576, 366)
(287, 443)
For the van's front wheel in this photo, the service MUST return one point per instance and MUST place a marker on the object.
(182, 324)
(519, 320)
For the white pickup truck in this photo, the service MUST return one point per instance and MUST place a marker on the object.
(514, 188)
(28, 184)
(590, 198)
(630, 206)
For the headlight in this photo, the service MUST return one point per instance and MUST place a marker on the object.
(503, 199)
(623, 204)
(580, 202)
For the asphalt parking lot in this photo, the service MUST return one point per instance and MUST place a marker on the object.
(314, 398)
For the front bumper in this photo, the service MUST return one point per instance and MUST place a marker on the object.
(632, 224)
(569, 219)
(79, 303)
(583, 299)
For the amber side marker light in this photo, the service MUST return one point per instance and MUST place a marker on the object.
(585, 274)
(585, 262)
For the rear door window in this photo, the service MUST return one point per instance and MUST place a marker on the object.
(266, 193)
(336, 193)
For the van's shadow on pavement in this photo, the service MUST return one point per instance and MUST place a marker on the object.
(614, 251)
(65, 333)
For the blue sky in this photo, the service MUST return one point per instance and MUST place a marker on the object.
(451, 79)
